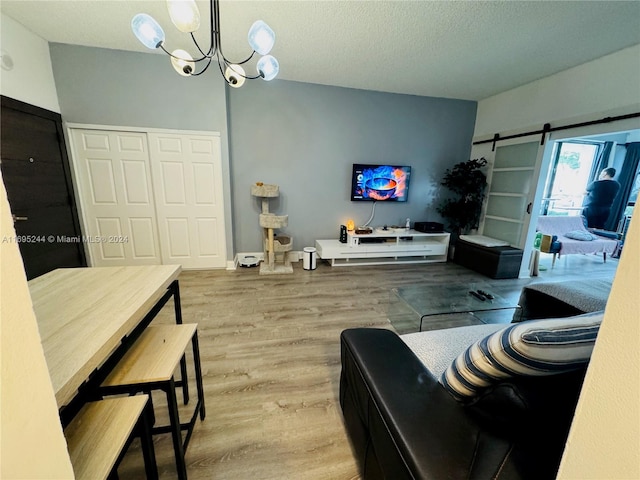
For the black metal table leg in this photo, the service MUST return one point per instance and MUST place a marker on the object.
(176, 434)
(146, 441)
(198, 369)
(175, 288)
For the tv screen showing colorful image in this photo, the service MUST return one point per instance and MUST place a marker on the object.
(380, 183)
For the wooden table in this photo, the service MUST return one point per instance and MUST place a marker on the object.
(86, 316)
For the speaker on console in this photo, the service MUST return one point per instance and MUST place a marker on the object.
(343, 234)
(428, 227)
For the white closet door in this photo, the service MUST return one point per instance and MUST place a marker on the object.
(187, 184)
(114, 183)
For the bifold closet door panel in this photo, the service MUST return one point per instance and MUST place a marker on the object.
(187, 185)
(114, 182)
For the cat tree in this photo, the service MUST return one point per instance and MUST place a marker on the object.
(272, 244)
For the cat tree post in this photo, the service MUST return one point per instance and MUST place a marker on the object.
(272, 244)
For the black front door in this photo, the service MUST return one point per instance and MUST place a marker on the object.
(36, 174)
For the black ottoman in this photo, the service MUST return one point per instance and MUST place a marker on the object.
(562, 299)
(494, 262)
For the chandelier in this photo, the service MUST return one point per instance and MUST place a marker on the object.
(186, 17)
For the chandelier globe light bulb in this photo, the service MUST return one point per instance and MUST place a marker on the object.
(184, 15)
(268, 67)
(235, 75)
(261, 37)
(147, 30)
(183, 62)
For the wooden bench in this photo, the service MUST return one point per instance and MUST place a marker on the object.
(99, 435)
(149, 365)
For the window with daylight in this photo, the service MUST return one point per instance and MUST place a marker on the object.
(571, 171)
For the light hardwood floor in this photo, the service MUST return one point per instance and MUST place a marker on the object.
(271, 362)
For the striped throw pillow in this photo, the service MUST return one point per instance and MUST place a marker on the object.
(533, 348)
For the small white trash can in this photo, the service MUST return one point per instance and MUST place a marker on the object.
(309, 258)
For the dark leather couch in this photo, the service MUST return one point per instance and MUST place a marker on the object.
(404, 425)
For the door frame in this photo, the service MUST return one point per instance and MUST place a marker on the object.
(614, 127)
(550, 139)
(20, 106)
(68, 126)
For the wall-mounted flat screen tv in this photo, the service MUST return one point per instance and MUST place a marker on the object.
(380, 183)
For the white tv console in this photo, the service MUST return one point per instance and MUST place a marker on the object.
(385, 246)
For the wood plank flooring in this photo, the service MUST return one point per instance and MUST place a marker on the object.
(271, 362)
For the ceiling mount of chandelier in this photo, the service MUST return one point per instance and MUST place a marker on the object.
(186, 17)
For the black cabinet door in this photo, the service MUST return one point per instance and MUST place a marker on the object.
(36, 174)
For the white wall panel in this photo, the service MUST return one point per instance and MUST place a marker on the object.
(102, 182)
(96, 141)
(108, 228)
(169, 145)
(31, 79)
(206, 229)
(178, 233)
(131, 143)
(603, 87)
(134, 177)
(143, 230)
(173, 188)
(203, 183)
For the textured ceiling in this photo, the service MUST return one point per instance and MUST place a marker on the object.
(454, 49)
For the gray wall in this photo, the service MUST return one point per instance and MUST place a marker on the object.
(305, 138)
(113, 87)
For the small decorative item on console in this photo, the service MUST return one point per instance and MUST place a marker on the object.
(351, 225)
(343, 234)
(364, 230)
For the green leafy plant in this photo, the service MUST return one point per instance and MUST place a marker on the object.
(467, 181)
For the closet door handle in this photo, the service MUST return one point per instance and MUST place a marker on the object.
(529, 208)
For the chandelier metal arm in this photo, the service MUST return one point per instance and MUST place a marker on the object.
(220, 63)
(252, 78)
(245, 60)
(214, 20)
(204, 69)
(215, 7)
(228, 63)
(205, 57)
(214, 12)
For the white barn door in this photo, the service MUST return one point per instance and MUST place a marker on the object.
(187, 183)
(515, 167)
(116, 199)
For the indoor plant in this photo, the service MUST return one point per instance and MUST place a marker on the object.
(467, 181)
